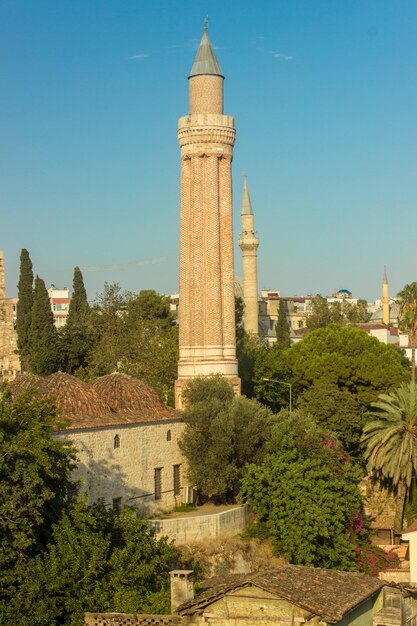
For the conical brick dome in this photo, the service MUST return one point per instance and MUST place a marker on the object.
(128, 395)
(75, 397)
(26, 381)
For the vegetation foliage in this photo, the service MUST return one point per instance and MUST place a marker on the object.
(305, 495)
(59, 558)
(390, 442)
(223, 434)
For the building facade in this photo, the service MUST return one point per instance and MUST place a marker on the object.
(126, 439)
(9, 358)
(207, 341)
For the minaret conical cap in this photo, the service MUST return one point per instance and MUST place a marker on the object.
(205, 62)
(246, 203)
(385, 281)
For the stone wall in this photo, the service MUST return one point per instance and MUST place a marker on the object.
(127, 471)
(196, 528)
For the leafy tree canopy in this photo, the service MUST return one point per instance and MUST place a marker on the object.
(322, 313)
(136, 335)
(35, 481)
(95, 561)
(305, 495)
(337, 411)
(338, 355)
(222, 435)
(249, 349)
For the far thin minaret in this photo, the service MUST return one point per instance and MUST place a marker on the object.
(385, 299)
(249, 243)
(2, 283)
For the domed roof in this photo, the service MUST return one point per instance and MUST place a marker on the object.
(115, 399)
(127, 395)
(74, 397)
(25, 381)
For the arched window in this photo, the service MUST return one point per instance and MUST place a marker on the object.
(169, 435)
(116, 441)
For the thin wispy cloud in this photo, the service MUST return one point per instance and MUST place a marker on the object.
(140, 55)
(260, 37)
(123, 266)
(280, 55)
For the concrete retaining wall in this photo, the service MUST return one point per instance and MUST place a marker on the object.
(198, 527)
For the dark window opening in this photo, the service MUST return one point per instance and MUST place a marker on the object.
(177, 479)
(116, 441)
(158, 482)
(169, 435)
(117, 505)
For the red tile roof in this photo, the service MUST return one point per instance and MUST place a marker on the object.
(111, 400)
(330, 594)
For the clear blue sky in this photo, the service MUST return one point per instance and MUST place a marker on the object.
(324, 93)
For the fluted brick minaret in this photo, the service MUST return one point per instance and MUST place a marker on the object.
(206, 312)
(385, 299)
(249, 243)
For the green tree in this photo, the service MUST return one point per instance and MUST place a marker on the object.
(337, 411)
(357, 313)
(107, 318)
(249, 349)
(95, 561)
(35, 481)
(322, 313)
(223, 434)
(282, 328)
(346, 357)
(44, 354)
(305, 495)
(150, 343)
(390, 442)
(271, 366)
(239, 310)
(24, 307)
(77, 336)
(407, 298)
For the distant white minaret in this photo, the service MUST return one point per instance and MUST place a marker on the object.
(385, 299)
(249, 243)
(2, 283)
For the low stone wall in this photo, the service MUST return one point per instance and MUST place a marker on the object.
(198, 527)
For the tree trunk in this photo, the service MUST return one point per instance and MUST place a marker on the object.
(400, 506)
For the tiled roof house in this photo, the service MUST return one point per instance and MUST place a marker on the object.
(126, 438)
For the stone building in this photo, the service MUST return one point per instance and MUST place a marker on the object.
(284, 596)
(125, 436)
(9, 358)
(207, 341)
(249, 243)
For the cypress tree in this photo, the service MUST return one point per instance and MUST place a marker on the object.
(77, 335)
(24, 307)
(282, 329)
(43, 336)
